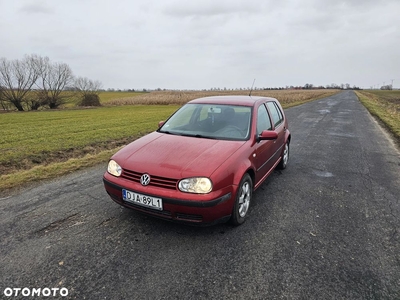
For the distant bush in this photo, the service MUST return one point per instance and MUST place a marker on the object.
(90, 100)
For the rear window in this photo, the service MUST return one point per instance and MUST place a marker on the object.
(276, 114)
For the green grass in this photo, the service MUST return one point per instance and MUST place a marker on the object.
(34, 135)
(385, 105)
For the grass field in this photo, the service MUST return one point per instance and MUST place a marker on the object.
(45, 144)
(385, 105)
(32, 138)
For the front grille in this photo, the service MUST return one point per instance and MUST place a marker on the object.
(187, 217)
(164, 213)
(162, 182)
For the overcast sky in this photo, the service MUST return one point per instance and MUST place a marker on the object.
(201, 44)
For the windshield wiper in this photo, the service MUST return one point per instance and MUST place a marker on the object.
(201, 136)
(205, 137)
(190, 135)
(169, 132)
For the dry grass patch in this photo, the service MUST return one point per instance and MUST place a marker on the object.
(286, 97)
(42, 172)
(385, 105)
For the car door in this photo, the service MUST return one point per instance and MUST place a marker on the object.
(278, 125)
(264, 149)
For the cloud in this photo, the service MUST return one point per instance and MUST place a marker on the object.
(36, 8)
(209, 8)
(204, 43)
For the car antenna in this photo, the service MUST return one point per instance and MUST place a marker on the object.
(252, 87)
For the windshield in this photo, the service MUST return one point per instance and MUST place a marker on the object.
(214, 121)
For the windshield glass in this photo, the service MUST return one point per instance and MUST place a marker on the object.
(215, 121)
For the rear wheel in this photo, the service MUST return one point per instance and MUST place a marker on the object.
(243, 199)
(285, 157)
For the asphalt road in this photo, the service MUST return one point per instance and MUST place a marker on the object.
(327, 227)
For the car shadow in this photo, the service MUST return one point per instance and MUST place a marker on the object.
(137, 221)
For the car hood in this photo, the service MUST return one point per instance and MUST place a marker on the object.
(175, 156)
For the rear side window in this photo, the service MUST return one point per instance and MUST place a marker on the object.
(276, 114)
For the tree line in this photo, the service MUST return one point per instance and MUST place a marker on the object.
(36, 82)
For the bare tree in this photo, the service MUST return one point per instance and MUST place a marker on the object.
(308, 86)
(53, 79)
(88, 91)
(3, 102)
(85, 85)
(17, 78)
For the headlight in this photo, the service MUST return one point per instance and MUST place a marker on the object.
(198, 185)
(114, 168)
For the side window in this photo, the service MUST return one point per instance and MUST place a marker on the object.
(276, 114)
(263, 121)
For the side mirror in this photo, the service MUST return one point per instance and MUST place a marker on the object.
(268, 135)
(161, 123)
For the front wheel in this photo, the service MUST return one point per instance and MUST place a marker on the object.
(243, 199)
(285, 157)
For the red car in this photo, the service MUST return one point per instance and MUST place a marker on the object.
(203, 164)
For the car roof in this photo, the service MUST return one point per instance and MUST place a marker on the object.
(232, 100)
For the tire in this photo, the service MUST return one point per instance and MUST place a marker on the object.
(285, 157)
(243, 199)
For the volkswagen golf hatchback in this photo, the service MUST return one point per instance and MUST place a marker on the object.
(202, 165)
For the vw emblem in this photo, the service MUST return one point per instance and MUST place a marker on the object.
(145, 179)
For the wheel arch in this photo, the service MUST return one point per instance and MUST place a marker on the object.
(252, 174)
(288, 136)
(246, 168)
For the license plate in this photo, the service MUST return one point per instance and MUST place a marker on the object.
(143, 200)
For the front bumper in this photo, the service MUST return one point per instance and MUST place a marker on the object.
(205, 211)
